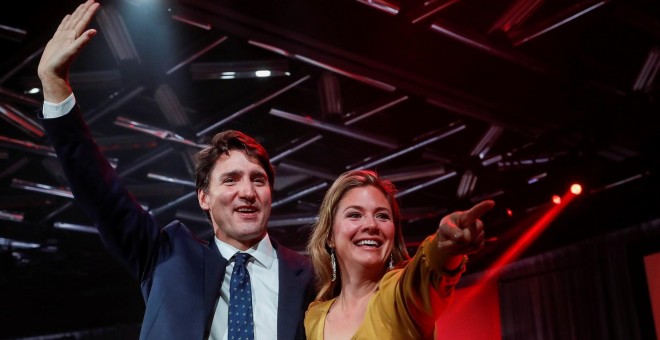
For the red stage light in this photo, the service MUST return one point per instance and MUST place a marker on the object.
(509, 212)
(519, 246)
(556, 199)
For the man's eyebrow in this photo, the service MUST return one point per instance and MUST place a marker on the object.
(238, 172)
(231, 173)
(258, 173)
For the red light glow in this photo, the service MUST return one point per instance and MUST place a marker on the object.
(493, 272)
(556, 199)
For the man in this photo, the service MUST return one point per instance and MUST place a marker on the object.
(185, 281)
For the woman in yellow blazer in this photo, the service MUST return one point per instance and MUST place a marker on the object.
(368, 286)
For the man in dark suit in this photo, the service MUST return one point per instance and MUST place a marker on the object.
(185, 281)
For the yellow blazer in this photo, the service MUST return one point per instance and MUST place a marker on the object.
(406, 304)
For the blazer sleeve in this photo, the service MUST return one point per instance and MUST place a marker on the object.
(128, 231)
(419, 292)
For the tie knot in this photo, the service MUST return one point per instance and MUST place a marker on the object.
(241, 258)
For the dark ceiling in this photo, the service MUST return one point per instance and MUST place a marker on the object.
(454, 101)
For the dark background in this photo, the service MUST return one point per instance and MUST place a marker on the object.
(520, 98)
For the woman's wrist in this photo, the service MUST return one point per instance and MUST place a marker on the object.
(455, 263)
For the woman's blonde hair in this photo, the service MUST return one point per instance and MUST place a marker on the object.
(318, 247)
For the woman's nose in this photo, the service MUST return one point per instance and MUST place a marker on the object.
(369, 223)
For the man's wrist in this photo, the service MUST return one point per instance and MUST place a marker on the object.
(55, 90)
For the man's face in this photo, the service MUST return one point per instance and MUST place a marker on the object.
(238, 199)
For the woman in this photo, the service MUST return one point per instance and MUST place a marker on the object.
(356, 245)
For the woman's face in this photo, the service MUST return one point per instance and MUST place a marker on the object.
(363, 230)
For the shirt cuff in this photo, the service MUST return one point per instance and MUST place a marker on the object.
(55, 110)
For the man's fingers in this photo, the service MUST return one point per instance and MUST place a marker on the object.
(86, 16)
(85, 38)
(70, 20)
(80, 18)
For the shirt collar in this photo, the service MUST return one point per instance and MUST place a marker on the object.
(263, 252)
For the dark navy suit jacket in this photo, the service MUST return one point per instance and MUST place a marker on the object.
(180, 275)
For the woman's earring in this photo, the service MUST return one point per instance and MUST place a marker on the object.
(391, 264)
(333, 263)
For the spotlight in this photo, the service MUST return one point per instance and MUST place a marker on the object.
(509, 212)
(576, 189)
(556, 199)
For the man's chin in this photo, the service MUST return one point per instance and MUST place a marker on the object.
(252, 232)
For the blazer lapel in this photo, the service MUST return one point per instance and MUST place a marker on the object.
(214, 272)
(290, 299)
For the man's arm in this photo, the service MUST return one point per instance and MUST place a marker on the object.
(129, 232)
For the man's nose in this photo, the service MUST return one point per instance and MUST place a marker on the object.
(246, 190)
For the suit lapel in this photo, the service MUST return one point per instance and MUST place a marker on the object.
(290, 299)
(214, 272)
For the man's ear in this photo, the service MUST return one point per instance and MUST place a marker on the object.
(202, 198)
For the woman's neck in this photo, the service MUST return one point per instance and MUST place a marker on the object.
(352, 301)
(353, 289)
(349, 308)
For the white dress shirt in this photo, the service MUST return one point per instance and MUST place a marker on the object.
(263, 269)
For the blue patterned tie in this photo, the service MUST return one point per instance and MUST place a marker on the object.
(241, 326)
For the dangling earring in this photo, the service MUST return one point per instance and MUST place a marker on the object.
(333, 263)
(391, 264)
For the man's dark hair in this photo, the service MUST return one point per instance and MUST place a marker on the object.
(221, 144)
